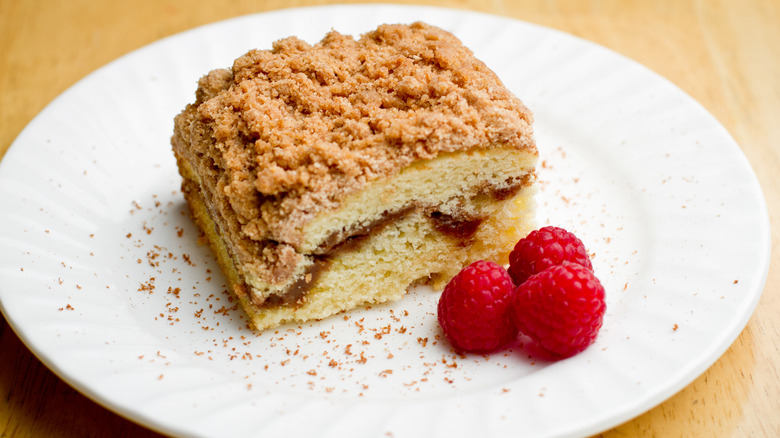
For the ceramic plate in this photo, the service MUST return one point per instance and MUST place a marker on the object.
(103, 279)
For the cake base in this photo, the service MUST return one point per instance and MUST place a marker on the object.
(379, 267)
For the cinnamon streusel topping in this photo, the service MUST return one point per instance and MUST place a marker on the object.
(289, 132)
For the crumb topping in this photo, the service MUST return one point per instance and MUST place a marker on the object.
(295, 129)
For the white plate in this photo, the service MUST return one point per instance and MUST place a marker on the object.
(93, 217)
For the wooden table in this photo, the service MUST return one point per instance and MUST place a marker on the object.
(726, 54)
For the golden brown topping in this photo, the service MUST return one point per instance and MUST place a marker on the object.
(298, 127)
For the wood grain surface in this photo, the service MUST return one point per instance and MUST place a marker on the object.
(726, 54)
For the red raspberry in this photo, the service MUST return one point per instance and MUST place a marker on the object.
(561, 309)
(475, 308)
(545, 247)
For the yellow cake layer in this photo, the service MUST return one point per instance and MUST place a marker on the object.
(449, 177)
(383, 266)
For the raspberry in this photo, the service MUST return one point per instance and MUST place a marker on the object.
(545, 247)
(475, 308)
(561, 309)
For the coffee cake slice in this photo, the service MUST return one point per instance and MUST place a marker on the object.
(339, 174)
